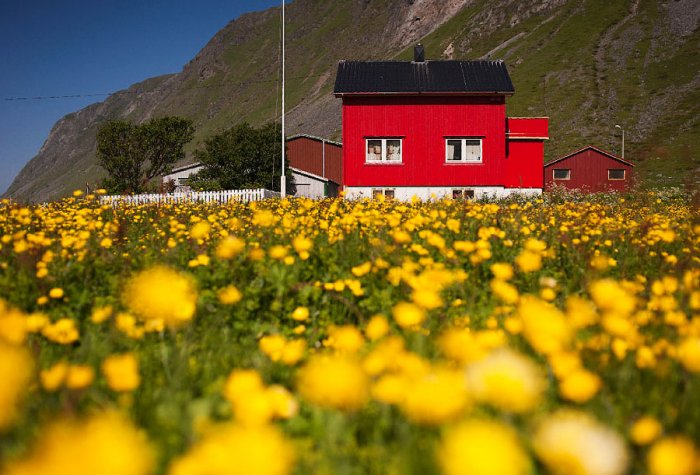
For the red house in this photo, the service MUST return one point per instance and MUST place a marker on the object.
(589, 169)
(435, 129)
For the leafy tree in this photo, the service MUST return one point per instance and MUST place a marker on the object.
(242, 157)
(135, 154)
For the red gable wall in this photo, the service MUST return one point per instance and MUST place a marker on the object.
(589, 172)
(423, 123)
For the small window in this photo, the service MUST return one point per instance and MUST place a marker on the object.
(462, 194)
(562, 174)
(385, 192)
(616, 174)
(463, 150)
(384, 150)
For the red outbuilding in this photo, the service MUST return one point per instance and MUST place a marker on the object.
(435, 129)
(589, 169)
(316, 155)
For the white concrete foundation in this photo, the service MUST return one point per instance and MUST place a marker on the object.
(406, 193)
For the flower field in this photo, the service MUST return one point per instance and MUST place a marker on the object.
(547, 335)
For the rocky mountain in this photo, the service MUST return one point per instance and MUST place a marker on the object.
(587, 64)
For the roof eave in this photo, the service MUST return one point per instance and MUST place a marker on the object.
(418, 93)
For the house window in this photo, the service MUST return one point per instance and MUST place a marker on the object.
(384, 150)
(616, 174)
(463, 150)
(562, 174)
(462, 194)
(385, 192)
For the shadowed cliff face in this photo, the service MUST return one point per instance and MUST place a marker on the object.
(587, 65)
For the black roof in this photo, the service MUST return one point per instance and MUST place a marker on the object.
(428, 77)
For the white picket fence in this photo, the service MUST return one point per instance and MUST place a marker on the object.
(220, 197)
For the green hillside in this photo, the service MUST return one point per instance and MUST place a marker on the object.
(587, 65)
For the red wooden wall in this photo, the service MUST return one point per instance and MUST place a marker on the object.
(306, 154)
(525, 151)
(424, 123)
(589, 171)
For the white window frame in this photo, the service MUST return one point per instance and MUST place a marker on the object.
(463, 150)
(568, 175)
(624, 174)
(384, 160)
(383, 192)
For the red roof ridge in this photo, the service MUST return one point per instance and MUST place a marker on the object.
(587, 147)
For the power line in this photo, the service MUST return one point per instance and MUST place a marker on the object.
(151, 91)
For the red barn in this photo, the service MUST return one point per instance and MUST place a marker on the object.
(435, 129)
(316, 155)
(589, 169)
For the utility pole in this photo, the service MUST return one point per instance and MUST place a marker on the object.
(283, 178)
(623, 140)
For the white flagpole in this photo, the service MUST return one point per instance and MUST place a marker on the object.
(283, 178)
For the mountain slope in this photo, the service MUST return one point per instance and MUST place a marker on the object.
(588, 65)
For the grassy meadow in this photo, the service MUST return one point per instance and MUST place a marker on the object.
(553, 335)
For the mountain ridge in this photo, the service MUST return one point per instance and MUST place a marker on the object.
(587, 65)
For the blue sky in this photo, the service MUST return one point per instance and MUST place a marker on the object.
(51, 48)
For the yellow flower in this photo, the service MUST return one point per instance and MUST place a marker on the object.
(200, 230)
(79, 376)
(613, 297)
(254, 404)
(56, 293)
(300, 314)
(101, 314)
(302, 245)
(408, 315)
(345, 339)
(377, 327)
(63, 331)
(645, 430)
(390, 388)
(482, 447)
(333, 381)
(426, 298)
(53, 377)
(278, 252)
(580, 385)
(235, 450)
(106, 444)
(16, 370)
(13, 325)
(507, 380)
(689, 354)
(506, 292)
(229, 295)
(230, 247)
(122, 372)
(161, 293)
(528, 261)
(573, 443)
(672, 456)
(438, 397)
(544, 326)
(502, 271)
(362, 269)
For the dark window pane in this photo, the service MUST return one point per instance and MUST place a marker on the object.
(562, 174)
(615, 174)
(389, 193)
(454, 150)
